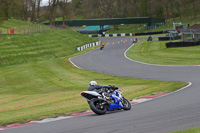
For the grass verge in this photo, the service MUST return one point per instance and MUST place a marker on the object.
(191, 130)
(157, 53)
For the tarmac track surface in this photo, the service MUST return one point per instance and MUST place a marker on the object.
(177, 111)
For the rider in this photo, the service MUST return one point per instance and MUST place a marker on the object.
(94, 86)
(150, 38)
(136, 40)
(102, 45)
(100, 89)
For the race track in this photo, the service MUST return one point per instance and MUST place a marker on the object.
(177, 111)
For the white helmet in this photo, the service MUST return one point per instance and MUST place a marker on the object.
(93, 83)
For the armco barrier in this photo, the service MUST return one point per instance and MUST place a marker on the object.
(88, 45)
(150, 33)
(167, 38)
(182, 44)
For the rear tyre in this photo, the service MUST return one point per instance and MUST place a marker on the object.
(126, 104)
(97, 107)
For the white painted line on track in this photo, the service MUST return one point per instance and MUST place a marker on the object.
(52, 119)
(189, 84)
(78, 55)
(140, 100)
(165, 94)
(74, 64)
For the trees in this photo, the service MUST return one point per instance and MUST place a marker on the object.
(38, 2)
(89, 9)
(194, 3)
(66, 9)
(6, 6)
(1, 14)
(21, 9)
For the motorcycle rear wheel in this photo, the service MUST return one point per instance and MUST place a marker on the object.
(97, 107)
(126, 104)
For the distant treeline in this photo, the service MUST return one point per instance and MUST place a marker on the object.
(31, 10)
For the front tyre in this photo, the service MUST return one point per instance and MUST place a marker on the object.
(126, 104)
(97, 107)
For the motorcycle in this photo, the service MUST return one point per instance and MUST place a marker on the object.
(101, 47)
(100, 103)
(150, 39)
(134, 40)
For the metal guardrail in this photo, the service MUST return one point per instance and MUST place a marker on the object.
(182, 44)
(81, 48)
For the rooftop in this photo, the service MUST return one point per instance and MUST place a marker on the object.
(193, 28)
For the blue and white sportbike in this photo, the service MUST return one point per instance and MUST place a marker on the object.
(110, 100)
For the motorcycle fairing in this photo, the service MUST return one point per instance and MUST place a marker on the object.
(90, 94)
(118, 103)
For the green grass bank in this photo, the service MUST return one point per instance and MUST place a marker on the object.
(157, 53)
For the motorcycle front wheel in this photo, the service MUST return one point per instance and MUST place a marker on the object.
(97, 107)
(126, 104)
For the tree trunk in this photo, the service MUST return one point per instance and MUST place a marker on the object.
(180, 15)
(172, 8)
(52, 12)
(136, 8)
(194, 8)
(38, 9)
(7, 8)
(22, 10)
(6, 15)
(26, 10)
(33, 11)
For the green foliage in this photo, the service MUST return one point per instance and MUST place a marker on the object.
(10, 8)
(15, 23)
(160, 10)
(2, 17)
(77, 3)
(1, 20)
(144, 6)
